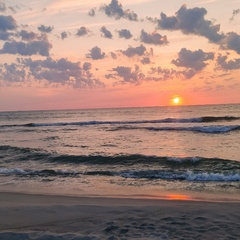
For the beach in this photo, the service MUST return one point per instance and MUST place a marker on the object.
(139, 173)
(33, 216)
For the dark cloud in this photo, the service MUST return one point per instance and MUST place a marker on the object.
(92, 12)
(131, 51)
(126, 75)
(87, 66)
(146, 60)
(124, 33)
(114, 9)
(45, 29)
(5, 35)
(191, 21)
(123, 75)
(106, 33)
(31, 36)
(228, 65)
(153, 38)
(96, 53)
(82, 31)
(235, 12)
(232, 42)
(186, 74)
(64, 35)
(28, 36)
(12, 73)
(3, 7)
(50, 71)
(27, 49)
(131, 16)
(7, 23)
(195, 60)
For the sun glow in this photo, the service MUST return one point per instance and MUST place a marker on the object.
(176, 100)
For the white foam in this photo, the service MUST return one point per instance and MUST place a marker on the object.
(186, 159)
(212, 177)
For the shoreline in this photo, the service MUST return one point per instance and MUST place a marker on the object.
(36, 216)
(150, 196)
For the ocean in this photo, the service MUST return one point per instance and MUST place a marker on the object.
(154, 152)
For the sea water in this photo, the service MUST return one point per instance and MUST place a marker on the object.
(189, 151)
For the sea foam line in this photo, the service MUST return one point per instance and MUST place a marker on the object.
(204, 119)
(141, 174)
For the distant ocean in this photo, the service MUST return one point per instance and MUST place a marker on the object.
(148, 152)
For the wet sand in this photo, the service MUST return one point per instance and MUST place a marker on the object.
(44, 217)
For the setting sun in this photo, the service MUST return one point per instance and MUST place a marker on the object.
(176, 100)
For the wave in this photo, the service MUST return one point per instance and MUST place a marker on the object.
(204, 119)
(139, 174)
(201, 129)
(187, 176)
(41, 173)
(44, 235)
(17, 154)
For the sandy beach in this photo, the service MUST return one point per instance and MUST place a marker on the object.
(42, 217)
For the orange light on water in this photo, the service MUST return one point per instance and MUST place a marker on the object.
(178, 197)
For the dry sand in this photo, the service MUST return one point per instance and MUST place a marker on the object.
(44, 217)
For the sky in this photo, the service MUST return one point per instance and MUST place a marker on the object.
(70, 54)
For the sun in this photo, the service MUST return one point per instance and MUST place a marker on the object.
(176, 100)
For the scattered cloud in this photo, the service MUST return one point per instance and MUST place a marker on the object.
(96, 53)
(235, 12)
(115, 10)
(125, 33)
(191, 21)
(7, 23)
(64, 35)
(27, 49)
(82, 31)
(153, 38)
(106, 33)
(195, 60)
(163, 74)
(19, 41)
(124, 75)
(228, 65)
(12, 73)
(87, 66)
(146, 60)
(50, 71)
(92, 12)
(131, 51)
(232, 42)
(45, 29)
(28, 36)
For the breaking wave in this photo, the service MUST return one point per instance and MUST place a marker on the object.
(201, 129)
(34, 154)
(147, 174)
(204, 119)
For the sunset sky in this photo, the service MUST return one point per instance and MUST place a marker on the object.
(68, 54)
